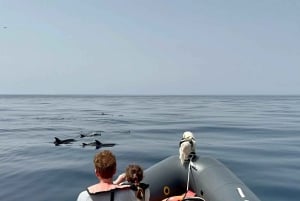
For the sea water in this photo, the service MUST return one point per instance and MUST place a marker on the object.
(256, 137)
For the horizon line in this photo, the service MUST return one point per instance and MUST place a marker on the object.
(71, 94)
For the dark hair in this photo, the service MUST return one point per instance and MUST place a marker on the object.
(134, 174)
(105, 164)
(140, 193)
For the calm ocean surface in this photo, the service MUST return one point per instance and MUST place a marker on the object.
(256, 137)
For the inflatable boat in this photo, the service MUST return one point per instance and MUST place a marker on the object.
(206, 176)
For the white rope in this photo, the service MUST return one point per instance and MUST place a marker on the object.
(189, 171)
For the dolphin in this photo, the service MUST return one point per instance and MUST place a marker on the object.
(66, 141)
(91, 134)
(98, 144)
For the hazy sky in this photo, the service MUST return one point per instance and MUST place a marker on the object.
(150, 47)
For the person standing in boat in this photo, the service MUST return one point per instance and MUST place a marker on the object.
(105, 167)
(133, 177)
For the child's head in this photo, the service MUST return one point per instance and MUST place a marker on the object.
(134, 173)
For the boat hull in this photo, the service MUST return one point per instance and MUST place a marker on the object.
(207, 177)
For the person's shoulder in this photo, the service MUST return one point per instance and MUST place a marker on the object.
(84, 193)
(83, 196)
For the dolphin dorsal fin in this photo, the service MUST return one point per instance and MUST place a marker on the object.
(98, 142)
(57, 139)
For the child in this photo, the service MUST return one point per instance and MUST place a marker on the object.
(133, 176)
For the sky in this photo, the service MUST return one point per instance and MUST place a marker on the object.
(160, 47)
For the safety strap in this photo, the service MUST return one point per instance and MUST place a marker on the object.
(112, 195)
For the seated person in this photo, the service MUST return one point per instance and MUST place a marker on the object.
(105, 167)
(133, 177)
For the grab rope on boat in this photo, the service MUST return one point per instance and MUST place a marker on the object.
(189, 171)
